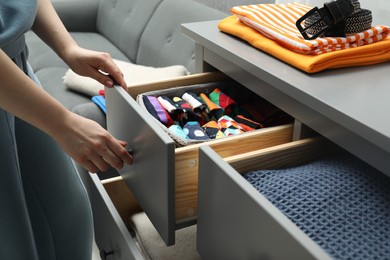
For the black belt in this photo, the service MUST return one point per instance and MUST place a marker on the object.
(336, 18)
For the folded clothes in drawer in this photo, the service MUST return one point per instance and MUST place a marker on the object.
(339, 201)
(202, 112)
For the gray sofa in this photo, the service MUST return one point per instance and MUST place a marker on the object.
(145, 32)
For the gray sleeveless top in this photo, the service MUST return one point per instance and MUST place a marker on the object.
(16, 18)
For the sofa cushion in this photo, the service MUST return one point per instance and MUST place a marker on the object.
(162, 43)
(85, 11)
(41, 56)
(123, 21)
(51, 80)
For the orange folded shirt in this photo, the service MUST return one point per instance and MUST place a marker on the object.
(368, 54)
(277, 22)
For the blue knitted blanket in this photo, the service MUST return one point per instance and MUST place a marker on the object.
(340, 202)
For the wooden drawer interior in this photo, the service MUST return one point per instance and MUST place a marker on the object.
(186, 162)
(185, 173)
(186, 170)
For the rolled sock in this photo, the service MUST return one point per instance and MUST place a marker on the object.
(224, 101)
(157, 111)
(213, 109)
(195, 102)
(229, 127)
(246, 123)
(100, 101)
(168, 104)
(177, 130)
(212, 130)
(188, 115)
(193, 130)
(178, 114)
(180, 103)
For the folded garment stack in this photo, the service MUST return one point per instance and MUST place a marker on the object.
(339, 201)
(216, 115)
(199, 117)
(273, 28)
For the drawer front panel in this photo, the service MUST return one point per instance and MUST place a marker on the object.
(151, 177)
(111, 234)
(236, 222)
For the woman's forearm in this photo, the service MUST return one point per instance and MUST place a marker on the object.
(83, 139)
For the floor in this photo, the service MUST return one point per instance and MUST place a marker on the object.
(95, 252)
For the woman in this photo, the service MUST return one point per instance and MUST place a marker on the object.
(45, 213)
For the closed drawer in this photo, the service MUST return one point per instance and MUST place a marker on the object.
(164, 177)
(328, 208)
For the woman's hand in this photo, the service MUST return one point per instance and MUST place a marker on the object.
(97, 65)
(91, 145)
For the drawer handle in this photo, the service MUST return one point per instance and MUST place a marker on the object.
(104, 254)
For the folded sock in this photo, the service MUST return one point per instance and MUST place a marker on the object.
(224, 101)
(229, 127)
(213, 109)
(212, 130)
(157, 110)
(194, 131)
(246, 123)
(177, 130)
(180, 103)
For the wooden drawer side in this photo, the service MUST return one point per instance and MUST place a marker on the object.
(284, 155)
(186, 166)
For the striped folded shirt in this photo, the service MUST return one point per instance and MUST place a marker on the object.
(277, 22)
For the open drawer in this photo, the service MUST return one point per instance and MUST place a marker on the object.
(164, 177)
(235, 221)
(311, 200)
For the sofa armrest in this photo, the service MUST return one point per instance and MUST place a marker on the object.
(77, 15)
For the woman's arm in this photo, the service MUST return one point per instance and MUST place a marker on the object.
(83, 139)
(49, 27)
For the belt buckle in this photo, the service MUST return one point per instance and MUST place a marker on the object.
(322, 17)
(333, 15)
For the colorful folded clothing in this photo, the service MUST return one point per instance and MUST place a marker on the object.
(229, 127)
(277, 22)
(177, 130)
(194, 131)
(157, 110)
(195, 102)
(224, 101)
(246, 123)
(198, 106)
(212, 130)
(369, 54)
(178, 114)
(213, 109)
